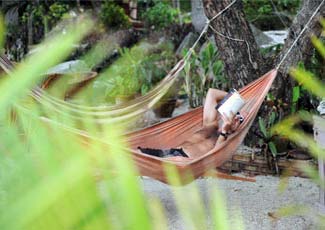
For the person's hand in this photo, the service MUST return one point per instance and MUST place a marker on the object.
(227, 122)
(235, 123)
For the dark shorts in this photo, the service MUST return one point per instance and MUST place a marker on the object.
(163, 152)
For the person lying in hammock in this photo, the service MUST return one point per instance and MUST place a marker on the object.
(209, 136)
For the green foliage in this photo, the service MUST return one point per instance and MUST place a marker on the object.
(154, 67)
(308, 80)
(136, 71)
(113, 16)
(53, 178)
(41, 12)
(264, 7)
(267, 139)
(43, 17)
(267, 14)
(161, 15)
(122, 80)
(203, 71)
(57, 11)
(270, 143)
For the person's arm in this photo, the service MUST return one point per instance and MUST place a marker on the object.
(210, 114)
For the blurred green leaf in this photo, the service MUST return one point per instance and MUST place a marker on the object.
(307, 79)
(29, 73)
(219, 214)
(291, 210)
(318, 45)
(295, 93)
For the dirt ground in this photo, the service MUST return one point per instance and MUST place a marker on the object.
(252, 203)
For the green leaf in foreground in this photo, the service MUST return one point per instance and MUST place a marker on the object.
(51, 52)
(307, 79)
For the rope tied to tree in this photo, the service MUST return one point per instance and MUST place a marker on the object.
(205, 29)
(299, 35)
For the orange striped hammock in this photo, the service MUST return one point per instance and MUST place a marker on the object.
(174, 132)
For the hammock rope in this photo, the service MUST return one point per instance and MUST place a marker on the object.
(299, 35)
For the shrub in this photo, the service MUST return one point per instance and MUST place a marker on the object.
(113, 16)
(160, 15)
(203, 71)
(57, 11)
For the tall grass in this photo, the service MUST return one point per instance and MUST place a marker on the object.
(51, 178)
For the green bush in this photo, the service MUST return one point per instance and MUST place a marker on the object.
(41, 12)
(154, 67)
(57, 11)
(265, 7)
(113, 16)
(203, 71)
(138, 70)
(264, 15)
(160, 15)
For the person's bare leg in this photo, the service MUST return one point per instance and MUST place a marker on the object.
(210, 114)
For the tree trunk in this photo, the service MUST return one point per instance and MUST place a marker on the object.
(242, 60)
(239, 69)
(302, 51)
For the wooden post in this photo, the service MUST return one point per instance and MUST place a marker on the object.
(319, 135)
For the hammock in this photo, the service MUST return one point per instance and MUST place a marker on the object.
(174, 132)
(104, 113)
(85, 78)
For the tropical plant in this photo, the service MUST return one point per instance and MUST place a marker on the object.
(137, 70)
(122, 80)
(266, 139)
(113, 16)
(44, 17)
(154, 67)
(203, 71)
(160, 15)
(270, 14)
